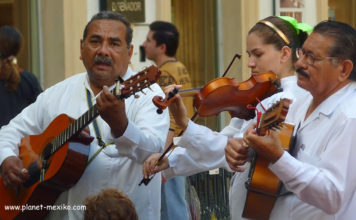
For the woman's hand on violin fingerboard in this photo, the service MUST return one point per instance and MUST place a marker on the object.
(151, 166)
(177, 107)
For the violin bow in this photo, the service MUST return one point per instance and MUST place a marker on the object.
(232, 61)
(146, 181)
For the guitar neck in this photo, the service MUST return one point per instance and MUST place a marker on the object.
(72, 130)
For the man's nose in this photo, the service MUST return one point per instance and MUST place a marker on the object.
(104, 49)
(301, 64)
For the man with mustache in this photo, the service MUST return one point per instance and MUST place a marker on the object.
(319, 174)
(128, 130)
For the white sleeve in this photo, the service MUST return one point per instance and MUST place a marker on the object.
(330, 182)
(234, 128)
(147, 131)
(182, 164)
(199, 149)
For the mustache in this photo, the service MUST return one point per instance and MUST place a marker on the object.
(101, 59)
(301, 72)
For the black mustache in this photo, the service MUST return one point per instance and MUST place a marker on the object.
(301, 72)
(100, 59)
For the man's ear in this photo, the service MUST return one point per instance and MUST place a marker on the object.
(130, 50)
(286, 53)
(81, 49)
(346, 67)
(163, 48)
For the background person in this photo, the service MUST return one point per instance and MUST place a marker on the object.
(161, 46)
(18, 87)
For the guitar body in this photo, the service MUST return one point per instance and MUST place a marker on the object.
(262, 185)
(62, 170)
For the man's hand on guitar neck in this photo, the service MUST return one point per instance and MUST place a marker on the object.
(13, 173)
(112, 110)
(268, 145)
(236, 154)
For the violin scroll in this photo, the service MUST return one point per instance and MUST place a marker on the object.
(163, 103)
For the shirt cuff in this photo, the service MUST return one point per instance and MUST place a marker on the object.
(285, 167)
(170, 172)
(5, 153)
(129, 140)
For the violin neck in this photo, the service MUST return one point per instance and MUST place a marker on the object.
(188, 92)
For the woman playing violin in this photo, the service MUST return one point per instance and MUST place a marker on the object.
(271, 47)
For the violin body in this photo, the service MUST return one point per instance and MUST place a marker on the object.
(225, 94)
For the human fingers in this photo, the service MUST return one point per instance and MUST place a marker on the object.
(161, 165)
(237, 147)
(13, 173)
(149, 165)
(107, 96)
(251, 129)
(171, 87)
(268, 145)
(12, 181)
(236, 154)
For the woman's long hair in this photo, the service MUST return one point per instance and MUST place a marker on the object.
(10, 44)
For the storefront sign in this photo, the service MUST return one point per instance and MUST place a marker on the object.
(134, 10)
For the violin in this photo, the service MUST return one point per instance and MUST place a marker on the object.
(226, 94)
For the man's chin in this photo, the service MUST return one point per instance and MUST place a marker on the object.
(302, 80)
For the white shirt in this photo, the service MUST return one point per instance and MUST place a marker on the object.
(201, 149)
(322, 177)
(119, 165)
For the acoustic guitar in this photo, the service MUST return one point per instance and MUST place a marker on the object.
(54, 161)
(262, 185)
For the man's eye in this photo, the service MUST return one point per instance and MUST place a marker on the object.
(309, 56)
(94, 42)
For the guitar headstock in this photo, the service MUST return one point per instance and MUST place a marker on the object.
(274, 116)
(139, 81)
